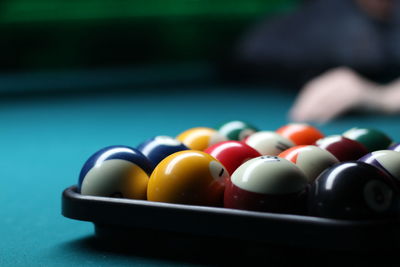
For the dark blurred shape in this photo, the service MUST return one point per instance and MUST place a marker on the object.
(361, 34)
(61, 34)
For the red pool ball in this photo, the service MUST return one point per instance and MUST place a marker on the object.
(267, 183)
(232, 154)
(344, 149)
(300, 134)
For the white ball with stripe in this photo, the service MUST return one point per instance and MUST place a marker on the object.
(386, 160)
(269, 175)
(312, 160)
(117, 178)
(115, 171)
(269, 143)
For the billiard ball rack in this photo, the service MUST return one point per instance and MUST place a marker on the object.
(117, 217)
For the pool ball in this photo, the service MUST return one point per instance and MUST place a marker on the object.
(236, 130)
(372, 139)
(232, 154)
(386, 160)
(268, 142)
(159, 147)
(395, 147)
(115, 171)
(353, 190)
(267, 183)
(300, 133)
(188, 177)
(312, 160)
(200, 138)
(344, 149)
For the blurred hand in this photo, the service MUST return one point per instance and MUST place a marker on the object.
(334, 93)
(390, 98)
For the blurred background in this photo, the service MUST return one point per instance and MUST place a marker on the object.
(39, 36)
(79, 75)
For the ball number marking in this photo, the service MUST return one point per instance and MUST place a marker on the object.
(378, 195)
(281, 146)
(270, 158)
(217, 170)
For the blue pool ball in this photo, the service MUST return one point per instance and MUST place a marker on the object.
(395, 147)
(160, 147)
(386, 160)
(115, 171)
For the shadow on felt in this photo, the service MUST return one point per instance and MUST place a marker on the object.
(184, 249)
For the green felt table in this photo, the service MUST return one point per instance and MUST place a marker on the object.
(46, 137)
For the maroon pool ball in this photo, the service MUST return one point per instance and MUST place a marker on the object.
(344, 149)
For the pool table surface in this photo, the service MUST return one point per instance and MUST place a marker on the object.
(47, 136)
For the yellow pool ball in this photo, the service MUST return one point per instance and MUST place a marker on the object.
(188, 177)
(200, 138)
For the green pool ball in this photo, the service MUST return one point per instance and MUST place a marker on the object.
(236, 130)
(372, 139)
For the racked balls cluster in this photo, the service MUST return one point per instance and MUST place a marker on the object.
(294, 170)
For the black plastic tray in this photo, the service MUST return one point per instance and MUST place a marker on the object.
(124, 218)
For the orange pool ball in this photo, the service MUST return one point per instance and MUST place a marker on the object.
(300, 134)
(200, 138)
(188, 177)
